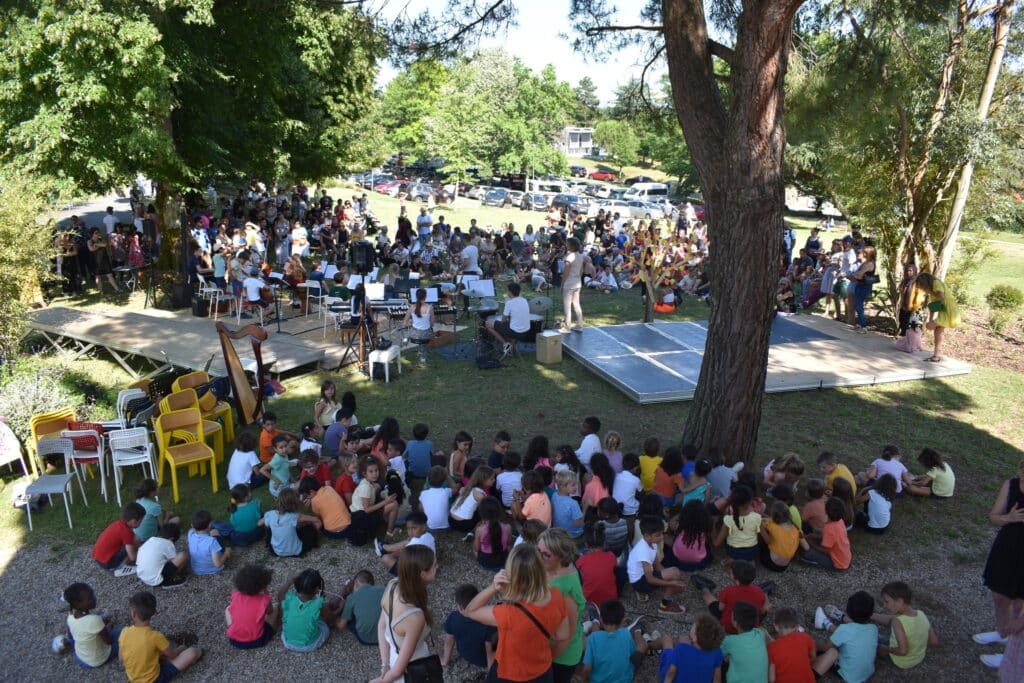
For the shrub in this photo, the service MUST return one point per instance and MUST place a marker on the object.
(31, 389)
(999, 320)
(1004, 298)
(971, 254)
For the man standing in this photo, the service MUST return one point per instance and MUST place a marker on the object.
(514, 322)
(848, 266)
(424, 223)
(109, 221)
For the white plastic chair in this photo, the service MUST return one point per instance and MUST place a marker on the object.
(326, 302)
(211, 293)
(315, 295)
(130, 447)
(95, 453)
(53, 484)
(10, 448)
(123, 398)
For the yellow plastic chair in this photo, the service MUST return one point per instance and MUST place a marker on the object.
(48, 426)
(179, 447)
(211, 408)
(212, 433)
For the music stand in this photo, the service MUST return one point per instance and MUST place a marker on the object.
(278, 283)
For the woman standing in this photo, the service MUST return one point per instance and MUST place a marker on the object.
(942, 306)
(98, 248)
(911, 297)
(863, 281)
(558, 553)
(405, 620)
(420, 318)
(1004, 578)
(531, 621)
(572, 283)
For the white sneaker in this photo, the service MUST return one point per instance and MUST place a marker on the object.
(124, 570)
(652, 637)
(989, 638)
(738, 467)
(59, 645)
(378, 547)
(992, 661)
(834, 614)
(821, 622)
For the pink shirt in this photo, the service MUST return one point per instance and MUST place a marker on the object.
(689, 554)
(247, 612)
(594, 491)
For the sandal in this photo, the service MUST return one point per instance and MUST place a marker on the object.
(934, 359)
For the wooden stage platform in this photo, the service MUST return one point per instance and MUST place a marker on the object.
(144, 342)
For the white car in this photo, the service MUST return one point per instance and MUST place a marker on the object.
(611, 207)
(645, 210)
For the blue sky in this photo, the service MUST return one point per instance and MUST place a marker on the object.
(535, 40)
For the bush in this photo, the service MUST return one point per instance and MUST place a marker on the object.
(1005, 298)
(33, 389)
(971, 254)
(999, 320)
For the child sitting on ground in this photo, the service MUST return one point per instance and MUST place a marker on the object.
(791, 654)
(492, 538)
(784, 494)
(616, 528)
(780, 539)
(852, 642)
(691, 548)
(327, 505)
(463, 513)
(646, 573)
(565, 511)
(830, 549)
(531, 502)
(697, 487)
(510, 480)
(244, 466)
(311, 466)
(156, 516)
(833, 469)
(785, 470)
(625, 489)
(205, 549)
(842, 490)
(812, 514)
(938, 481)
(251, 615)
(694, 659)
(309, 439)
(721, 477)
(529, 532)
(117, 545)
(614, 652)
(436, 500)
(746, 652)
(361, 611)
(877, 501)
(146, 653)
(743, 590)
(910, 631)
(740, 527)
(243, 527)
(291, 534)
(305, 614)
(269, 432)
(158, 562)
(599, 571)
(473, 641)
(648, 461)
(417, 534)
(278, 468)
(369, 508)
(90, 635)
(889, 463)
(345, 484)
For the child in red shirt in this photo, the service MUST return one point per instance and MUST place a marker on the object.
(117, 544)
(312, 467)
(743, 573)
(791, 653)
(267, 435)
(597, 568)
(345, 484)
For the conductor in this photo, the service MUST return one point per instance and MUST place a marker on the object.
(514, 323)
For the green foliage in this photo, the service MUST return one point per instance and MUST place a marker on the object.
(33, 388)
(1005, 298)
(619, 140)
(971, 255)
(408, 100)
(1000, 320)
(588, 104)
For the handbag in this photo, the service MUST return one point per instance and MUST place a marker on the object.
(423, 670)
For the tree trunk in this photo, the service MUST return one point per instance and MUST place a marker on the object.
(1001, 34)
(168, 225)
(737, 150)
(648, 302)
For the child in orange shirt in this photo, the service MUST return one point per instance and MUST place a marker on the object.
(531, 502)
(830, 550)
(267, 435)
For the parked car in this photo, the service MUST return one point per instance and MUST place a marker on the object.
(418, 192)
(617, 192)
(603, 175)
(534, 201)
(629, 182)
(388, 187)
(515, 197)
(647, 210)
(570, 202)
(578, 171)
(610, 206)
(477, 191)
(497, 196)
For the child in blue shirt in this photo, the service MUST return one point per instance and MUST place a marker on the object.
(474, 641)
(697, 659)
(613, 652)
(417, 461)
(852, 643)
(205, 549)
(565, 511)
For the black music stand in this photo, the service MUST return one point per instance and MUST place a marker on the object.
(278, 283)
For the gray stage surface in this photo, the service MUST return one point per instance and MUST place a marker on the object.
(660, 361)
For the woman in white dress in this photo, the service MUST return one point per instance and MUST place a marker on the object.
(572, 283)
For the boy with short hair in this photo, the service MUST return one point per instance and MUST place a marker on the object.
(145, 653)
(910, 631)
(362, 607)
(650, 461)
(206, 551)
(697, 658)
(417, 461)
(311, 466)
(418, 534)
(746, 652)
(473, 641)
(743, 590)
(833, 469)
(396, 461)
(158, 562)
(591, 442)
(336, 435)
(436, 500)
(565, 511)
(502, 442)
(268, 432)
(278, 468)
(116, 547)
(626, 485)
(812, 514)
(511, 478)
(791, 654)
(613, 653)
(646, 573)
(852, 645)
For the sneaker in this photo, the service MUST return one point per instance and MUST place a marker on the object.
(767, 586)
(59, 645)
(862, 330)
(670, 607)
(834, 613)
(821, 622)
(992, 661)
(701, 582)
(378, 547)
(294, 462)
(636, 623)
(506, 350)
(468, 537)
(986, 638)
(589, 624)
(63, 606)
(124, 570)
(592, 612)
(564, 330)
(651, 637)
(174, 582)
(738, 467)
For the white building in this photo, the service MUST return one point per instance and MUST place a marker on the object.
(577, 141)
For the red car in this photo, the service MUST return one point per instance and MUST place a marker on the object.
(603, 175)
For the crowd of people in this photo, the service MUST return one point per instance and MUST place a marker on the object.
(570, 531)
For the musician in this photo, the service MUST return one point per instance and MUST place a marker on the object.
(514, 323)
(471, 257)
(420, 319)
(252, 287)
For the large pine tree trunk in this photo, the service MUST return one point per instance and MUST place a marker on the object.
(168, 225)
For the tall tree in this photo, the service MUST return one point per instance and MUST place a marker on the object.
(618, 140)
(736, 141)
(588, 104)
(409, 98)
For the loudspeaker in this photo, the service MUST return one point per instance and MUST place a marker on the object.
(362, 257)
(181, 296)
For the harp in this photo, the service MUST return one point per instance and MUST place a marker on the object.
(248, 402)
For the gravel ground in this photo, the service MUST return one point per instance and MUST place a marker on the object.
(950, 593)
